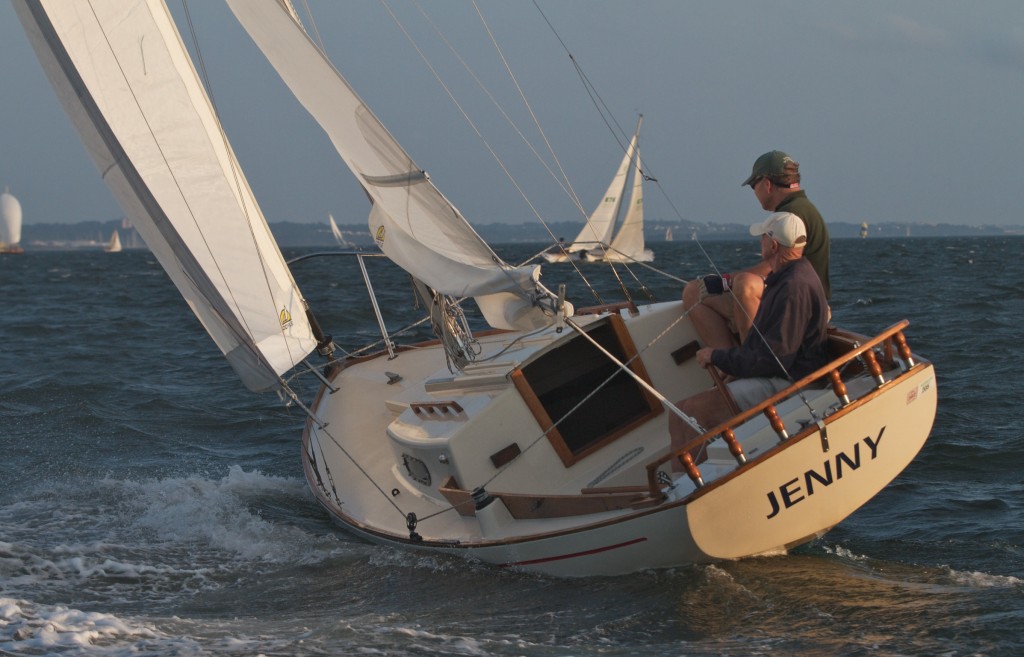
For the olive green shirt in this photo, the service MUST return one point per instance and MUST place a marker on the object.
(817, 249)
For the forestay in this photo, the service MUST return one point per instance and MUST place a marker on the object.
(125, 78)
(411, 221)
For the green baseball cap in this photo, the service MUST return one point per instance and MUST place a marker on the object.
(774, 165)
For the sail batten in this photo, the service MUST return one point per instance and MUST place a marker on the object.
(124, 77)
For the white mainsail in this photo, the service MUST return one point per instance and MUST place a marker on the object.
(10, 219)
(597, 232)
(628, 245)
(123, 75)
(336, 231)
(410, 220)
(114, 245)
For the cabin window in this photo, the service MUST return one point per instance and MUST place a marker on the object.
(561, 378)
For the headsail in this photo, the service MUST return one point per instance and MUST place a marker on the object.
(123, 75)
(411, 221)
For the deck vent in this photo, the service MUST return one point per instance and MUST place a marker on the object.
(416, 469)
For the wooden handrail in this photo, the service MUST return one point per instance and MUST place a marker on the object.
(831, 371)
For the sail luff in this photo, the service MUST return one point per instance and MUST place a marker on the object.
(410, 220)
(126, 81)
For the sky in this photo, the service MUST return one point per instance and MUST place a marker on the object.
(904, 111)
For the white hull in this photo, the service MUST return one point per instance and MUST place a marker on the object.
(765, 507)
(612, 256)
(564, 256)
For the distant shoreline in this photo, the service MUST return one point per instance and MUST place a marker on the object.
(93, 235)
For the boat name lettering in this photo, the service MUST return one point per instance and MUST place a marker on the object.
(791, 492)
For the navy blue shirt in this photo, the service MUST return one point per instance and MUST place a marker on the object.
(793, 320)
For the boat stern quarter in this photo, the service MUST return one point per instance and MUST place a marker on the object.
(810, 483)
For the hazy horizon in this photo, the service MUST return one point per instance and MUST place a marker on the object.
(901, 113)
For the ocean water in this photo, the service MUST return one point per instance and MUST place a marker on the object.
(150, 505)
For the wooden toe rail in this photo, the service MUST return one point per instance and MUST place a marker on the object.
(848, 349)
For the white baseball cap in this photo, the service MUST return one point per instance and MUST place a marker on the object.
(784, 227)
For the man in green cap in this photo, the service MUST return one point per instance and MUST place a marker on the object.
(775, 180)
(722, 308)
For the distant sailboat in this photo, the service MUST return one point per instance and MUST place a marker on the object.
(114, 245)
(597, 232)
(338, 236)
(864, 229)
(668, 234)
(10, 223)
(628, 245)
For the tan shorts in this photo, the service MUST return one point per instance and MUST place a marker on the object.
(748, 393)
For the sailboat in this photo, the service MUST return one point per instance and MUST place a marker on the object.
(628, 243)
(337, 234)
(539, 444)
(864, 229)
(114, 245)
(10, 223)
(595, 242)
(668, 234)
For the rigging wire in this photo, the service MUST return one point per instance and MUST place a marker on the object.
(562, 181)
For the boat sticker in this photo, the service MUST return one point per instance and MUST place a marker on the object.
(832, 470)
(379, 236)
(911, 395)
(926, 386)
(286, 318)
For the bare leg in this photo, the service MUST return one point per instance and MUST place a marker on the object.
(747, 289)
(711, 316)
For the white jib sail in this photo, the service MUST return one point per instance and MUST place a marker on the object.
(125, 78)
(601, 223)
(411, 221)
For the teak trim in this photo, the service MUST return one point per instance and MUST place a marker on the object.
(545, 421)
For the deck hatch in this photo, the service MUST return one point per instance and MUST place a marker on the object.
(553, 384)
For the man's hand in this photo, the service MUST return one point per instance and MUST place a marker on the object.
(704, 356)
(714, 284)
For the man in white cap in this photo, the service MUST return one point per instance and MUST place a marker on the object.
(787, 341)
